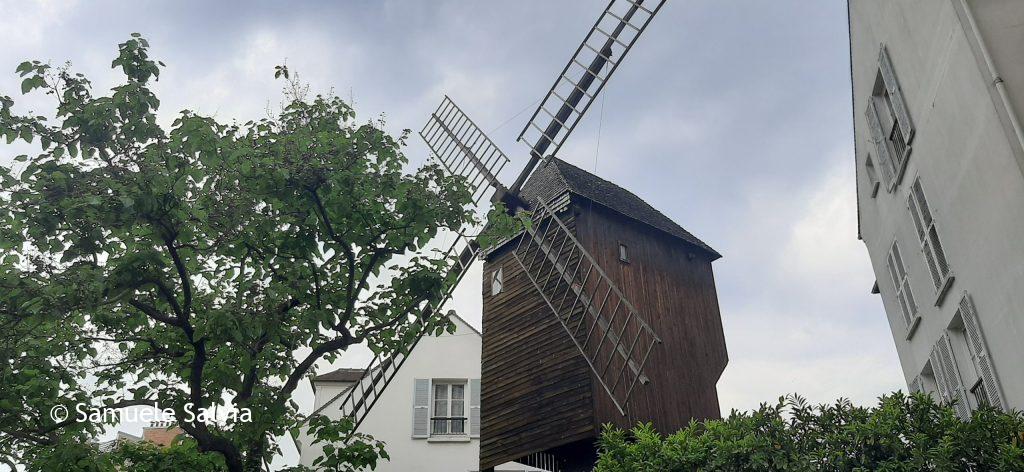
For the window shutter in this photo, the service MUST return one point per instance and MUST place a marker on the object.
(940, 378)
(976, 341)
(951, 382)
(916, 385)
(899, 104)
(881, 147)
(421, 408)
(474, 408)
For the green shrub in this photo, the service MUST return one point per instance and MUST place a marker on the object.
(901, 433)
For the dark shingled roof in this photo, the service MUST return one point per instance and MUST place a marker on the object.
(341, 375)
(557, 176)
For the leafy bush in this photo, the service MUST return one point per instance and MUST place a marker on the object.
(901, 433)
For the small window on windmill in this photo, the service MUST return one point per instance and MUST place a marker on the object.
(497, 280)
(623, 253)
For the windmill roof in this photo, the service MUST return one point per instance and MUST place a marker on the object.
(556, 177)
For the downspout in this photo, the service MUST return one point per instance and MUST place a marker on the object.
(1004, 108)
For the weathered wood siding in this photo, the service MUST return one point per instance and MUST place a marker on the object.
(536, 391)
(672, 286)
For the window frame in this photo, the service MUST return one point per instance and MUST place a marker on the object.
(449, 419)
(623, 250)
(497, 275)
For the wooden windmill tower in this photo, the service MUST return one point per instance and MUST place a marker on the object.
(602, 310)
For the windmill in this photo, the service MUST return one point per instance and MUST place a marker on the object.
(562, 297)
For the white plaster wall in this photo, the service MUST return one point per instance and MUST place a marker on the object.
(451, 356)
(970, 175)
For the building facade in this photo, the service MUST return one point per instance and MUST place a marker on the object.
(937, 87)
(428, 417)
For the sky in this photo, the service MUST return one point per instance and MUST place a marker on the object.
(732, 118)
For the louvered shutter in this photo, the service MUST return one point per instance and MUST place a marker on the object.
(881, 147)
(899, 104)
(951, 383)
(940, 378)
(474, 408)
(929, 257)
(421, 408)
(916, 385)
(896, 282)
(979, 351)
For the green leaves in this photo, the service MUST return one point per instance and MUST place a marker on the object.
(281, 71)
(900, 433)
(202, 260)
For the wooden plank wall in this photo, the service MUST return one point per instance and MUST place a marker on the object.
(672, 285)
(536, 387)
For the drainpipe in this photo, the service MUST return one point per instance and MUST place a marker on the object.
(1004, 108)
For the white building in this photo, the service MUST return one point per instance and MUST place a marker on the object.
(428, 416)
(937, 87)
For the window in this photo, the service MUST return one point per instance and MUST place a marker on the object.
(446, 409)
(869, 168)
(934, 256)
(448, 415)
(497, 281)
(901, 283)
(889, 123)
(979, 393)
(623, 253)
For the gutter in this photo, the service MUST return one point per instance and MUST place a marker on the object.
(1000, 98)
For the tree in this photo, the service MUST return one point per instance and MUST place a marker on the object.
(902, 433)
(206, 265)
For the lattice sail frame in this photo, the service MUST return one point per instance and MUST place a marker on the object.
(463, 149)
(587, 304)
(604, 48)
(357, 401)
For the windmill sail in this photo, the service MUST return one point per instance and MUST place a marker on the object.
(463, 149)
(357, 401)
(583, 78)
(612, 336)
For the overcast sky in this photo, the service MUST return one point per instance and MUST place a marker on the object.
(731, 117)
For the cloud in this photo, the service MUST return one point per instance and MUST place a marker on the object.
(729, 117)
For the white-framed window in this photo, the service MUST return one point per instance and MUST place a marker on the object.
(623, 253)
(889, 122)
(497, 281)
(448, 409)
(931, 247)
(901, 284)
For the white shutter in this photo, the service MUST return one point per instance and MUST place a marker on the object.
(421, 408)
(916, 385)
(979, 351)
(899, 105)
(933, 268)
(474, 408)
(951, 384)
(881, 146)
